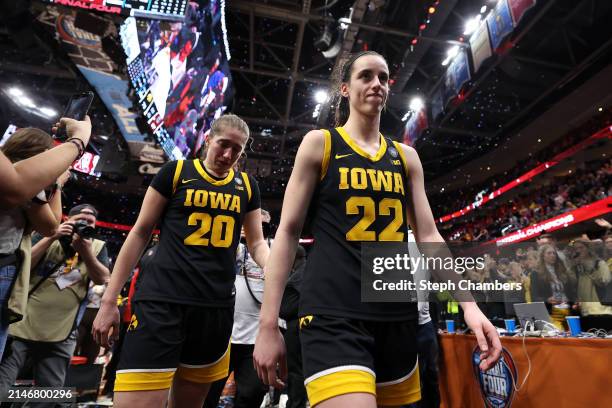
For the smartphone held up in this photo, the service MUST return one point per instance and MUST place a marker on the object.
(77, 108)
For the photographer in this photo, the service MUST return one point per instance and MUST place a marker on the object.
(66, 262)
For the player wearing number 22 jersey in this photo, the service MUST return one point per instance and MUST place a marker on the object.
(360, 198)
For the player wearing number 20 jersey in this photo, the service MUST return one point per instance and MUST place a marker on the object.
(200, 231)
(183, 311)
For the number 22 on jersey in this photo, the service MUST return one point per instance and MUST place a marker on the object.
(360, 231)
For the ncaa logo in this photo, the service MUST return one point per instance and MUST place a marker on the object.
(393, 152)
(496, 385)
(238, 181)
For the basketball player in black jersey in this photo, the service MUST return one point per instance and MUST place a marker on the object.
(361, 188)
(180, 329)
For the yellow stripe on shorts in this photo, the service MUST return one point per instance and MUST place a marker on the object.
(340, 383)
(207, 373)
(402, 392)
(143, 380)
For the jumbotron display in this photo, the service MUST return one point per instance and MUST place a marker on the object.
(160, 9)
(180, 73)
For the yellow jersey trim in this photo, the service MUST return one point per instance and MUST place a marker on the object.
(326, 153)
(205, 176)
(143, 381)
(177, 175)
(247, 184)
(402, 154)
(381, 150)
(340, 383)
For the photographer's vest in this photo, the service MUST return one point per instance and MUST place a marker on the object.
(51, 313)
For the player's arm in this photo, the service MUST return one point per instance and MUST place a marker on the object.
(300, 188)
(425, 231)
(256, 243)
(269, 346)
(108, 316)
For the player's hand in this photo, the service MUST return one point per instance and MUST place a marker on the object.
(105, 329)
(270, 355)
(486, 335)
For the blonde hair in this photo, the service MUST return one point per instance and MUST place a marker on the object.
(228, 120)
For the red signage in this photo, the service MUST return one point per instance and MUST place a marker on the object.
(603, 133)
(587, 212)
(97, 5)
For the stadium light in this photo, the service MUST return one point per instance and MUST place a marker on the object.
(416, 104)
(15, 92)
(25, 101)
(320, 96)
(472, 25)
(450, 54)
(48, 112)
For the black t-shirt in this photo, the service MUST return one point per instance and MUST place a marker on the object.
(199, 233)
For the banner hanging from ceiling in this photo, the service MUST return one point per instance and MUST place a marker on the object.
(480, 46)
(500, 23)
(415, 127)
(518, 8)
(457, 74)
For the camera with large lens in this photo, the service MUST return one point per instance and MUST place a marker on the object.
(82, 229)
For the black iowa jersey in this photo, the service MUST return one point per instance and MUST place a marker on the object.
(199, 233)
(360, 198)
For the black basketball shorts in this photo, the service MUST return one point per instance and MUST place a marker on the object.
(167, 339)
(343, 356)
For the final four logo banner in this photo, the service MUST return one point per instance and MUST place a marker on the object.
(497, 384)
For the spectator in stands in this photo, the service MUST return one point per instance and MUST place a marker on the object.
(552, 282)
(65, 264)
(495, 303)
(548, 239)
(591, 272)
(531, 262)
(608, 250)
(515, 275)
(480, 296)
(21, 181)
(43, 214)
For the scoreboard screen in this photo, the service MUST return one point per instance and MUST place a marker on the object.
(158, 9)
